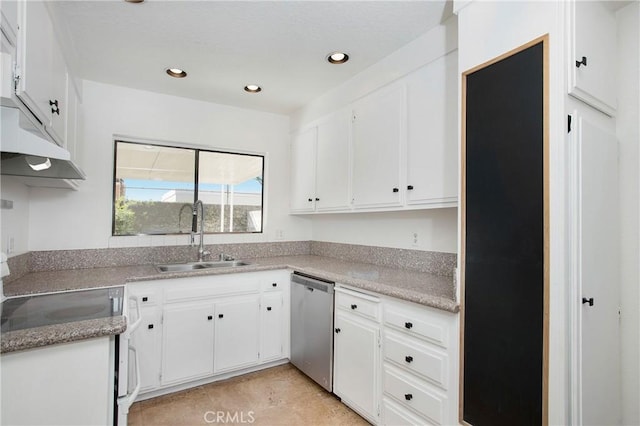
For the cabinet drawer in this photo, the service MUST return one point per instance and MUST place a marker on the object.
(275, 283)
(215, 288)
(395, 415)
(431, 364)
(147, 295)
(409, 393)
(423, 323)
(360, 304)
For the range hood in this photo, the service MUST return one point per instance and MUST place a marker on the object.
(23, 153)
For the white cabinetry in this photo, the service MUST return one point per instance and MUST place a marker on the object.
(432, 148)
(395, 362)
(63, 384)
(592, 57)
(356, 352)
(41, 70)
(379, 138)
(303, 165)
(320, 165)
(236, 334)
(195, 329)
(187, 337)
(419, 361)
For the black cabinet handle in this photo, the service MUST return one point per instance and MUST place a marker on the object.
(408, 396)
(354, 306)
(410, 187)
(268, 308)
(274, 284)
(310, 200)
(55, 110)
(220, 316)
(581, 62)
(145, 299)
(210, 317)
(589, 301)
(150, 326)
(337, 330)
(317, 199)
(408, 358)
(396, 190)
(408, 325)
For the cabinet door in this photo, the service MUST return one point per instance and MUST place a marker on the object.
(332, 168)
(356, 365)
(432, 147)
(593, 55)
(147, 340)
(272, 326)
(58, 95)
(236, 333)
(35, 58)
(303, 171)
(378, 137)
(187, 339)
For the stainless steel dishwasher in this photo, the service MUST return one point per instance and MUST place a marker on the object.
(312, 328)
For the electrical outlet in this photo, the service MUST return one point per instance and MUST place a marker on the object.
(279, 234)
(10, 245)
(415, 240)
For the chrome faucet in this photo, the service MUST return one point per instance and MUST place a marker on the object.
(201, 251)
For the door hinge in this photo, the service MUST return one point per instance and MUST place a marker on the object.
(568, 123)
(16, 76)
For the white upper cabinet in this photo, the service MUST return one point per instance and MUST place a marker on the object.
(41, 69)
(592, 70)
(303, 176)
(379, 136)
(432, 148)
(332, 162)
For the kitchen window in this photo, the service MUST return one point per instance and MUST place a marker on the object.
(155, 187)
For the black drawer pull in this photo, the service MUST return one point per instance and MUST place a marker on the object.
(150, 326)
(408, 325)
(268, 308)
(210, 317)
(582, 62)
(410, 187)
(408, 358)
(354, 306)
(145, 299)
(310, 200)
(408, 396)
(396, 190)
(337, 330)
(220, 315)
(274, 284)
(317, 199)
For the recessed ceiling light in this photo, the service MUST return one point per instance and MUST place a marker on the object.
(252, 88)
(176, 72)
(337, 58)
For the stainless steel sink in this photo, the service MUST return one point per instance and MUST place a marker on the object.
(196, 266)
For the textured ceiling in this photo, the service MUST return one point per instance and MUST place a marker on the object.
(224, 45)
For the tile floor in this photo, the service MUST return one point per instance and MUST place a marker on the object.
(277, 396)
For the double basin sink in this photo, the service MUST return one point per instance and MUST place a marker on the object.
(197, 266)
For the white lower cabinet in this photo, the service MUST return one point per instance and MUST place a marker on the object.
(196, 328)
(395, 361)
(356, 353)
(236, 335)
(187, 337)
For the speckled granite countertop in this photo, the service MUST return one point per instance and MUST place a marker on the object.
(420, 287)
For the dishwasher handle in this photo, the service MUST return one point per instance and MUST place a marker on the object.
(312, 283)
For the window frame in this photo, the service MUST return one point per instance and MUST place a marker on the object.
(196, 179)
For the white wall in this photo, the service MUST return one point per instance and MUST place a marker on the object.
(14, 222)
(61, 219)
(487, 30)
(628, 134)
(436, 228)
